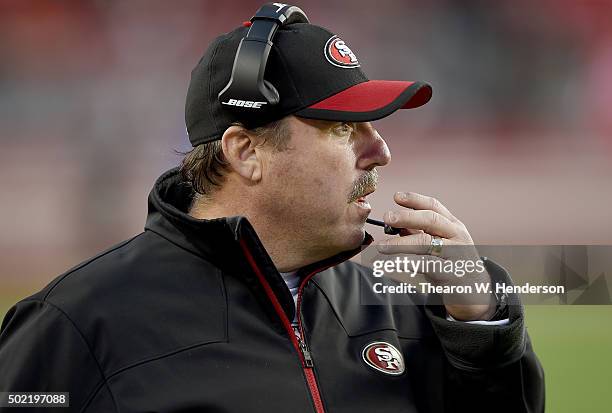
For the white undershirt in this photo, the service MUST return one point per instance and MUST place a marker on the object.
(293, 283)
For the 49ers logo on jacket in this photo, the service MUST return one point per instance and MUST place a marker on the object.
(339, 54)
(383, 357)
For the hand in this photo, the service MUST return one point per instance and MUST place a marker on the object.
(423, 218)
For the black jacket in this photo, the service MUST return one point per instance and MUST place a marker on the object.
(192, 316)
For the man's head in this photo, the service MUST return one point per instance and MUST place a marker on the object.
(302, 177)
(296, 167)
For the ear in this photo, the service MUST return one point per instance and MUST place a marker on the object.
(241, 151)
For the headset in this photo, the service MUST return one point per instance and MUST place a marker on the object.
(247, 91)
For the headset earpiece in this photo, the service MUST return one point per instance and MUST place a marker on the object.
(247, 90)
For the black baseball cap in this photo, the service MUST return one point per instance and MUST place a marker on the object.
(316, 74)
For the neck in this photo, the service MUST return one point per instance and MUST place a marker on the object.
(288, 249)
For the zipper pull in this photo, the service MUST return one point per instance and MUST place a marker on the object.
(307, 358)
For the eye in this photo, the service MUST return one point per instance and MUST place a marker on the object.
(344, 129)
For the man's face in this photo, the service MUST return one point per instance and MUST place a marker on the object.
(316, 188)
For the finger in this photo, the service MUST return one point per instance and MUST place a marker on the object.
(409, 231)
(426, 220)
(422, 202)
(419, 244)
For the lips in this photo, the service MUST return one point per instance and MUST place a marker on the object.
(362, 202)
(362, 198)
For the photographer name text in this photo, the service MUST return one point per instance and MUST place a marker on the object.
(479, 288)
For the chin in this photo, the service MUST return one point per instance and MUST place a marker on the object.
(352, 239)
(343, 239)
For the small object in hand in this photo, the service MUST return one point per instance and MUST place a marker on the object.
(389, 230)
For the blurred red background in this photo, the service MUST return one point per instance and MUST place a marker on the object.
(516, 140)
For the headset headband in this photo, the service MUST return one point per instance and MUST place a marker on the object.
(247, 91)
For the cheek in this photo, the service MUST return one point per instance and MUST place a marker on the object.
(287, 180)
(320, 182)
(328, 179)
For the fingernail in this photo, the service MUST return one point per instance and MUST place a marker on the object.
(391, 217)
(402, 195)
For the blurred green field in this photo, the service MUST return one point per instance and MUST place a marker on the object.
(574, 344)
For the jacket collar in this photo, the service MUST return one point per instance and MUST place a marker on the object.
(219, 240)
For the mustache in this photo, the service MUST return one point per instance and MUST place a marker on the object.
(366, 183)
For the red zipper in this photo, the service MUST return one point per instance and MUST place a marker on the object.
(300, 347)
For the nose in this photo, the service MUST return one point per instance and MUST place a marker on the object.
(370, 148)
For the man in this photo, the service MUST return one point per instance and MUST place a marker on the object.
(238, 296)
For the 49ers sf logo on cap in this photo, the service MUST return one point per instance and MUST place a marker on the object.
(383, 357)
(339, 54)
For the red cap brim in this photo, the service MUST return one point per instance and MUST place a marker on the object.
(369, 101)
